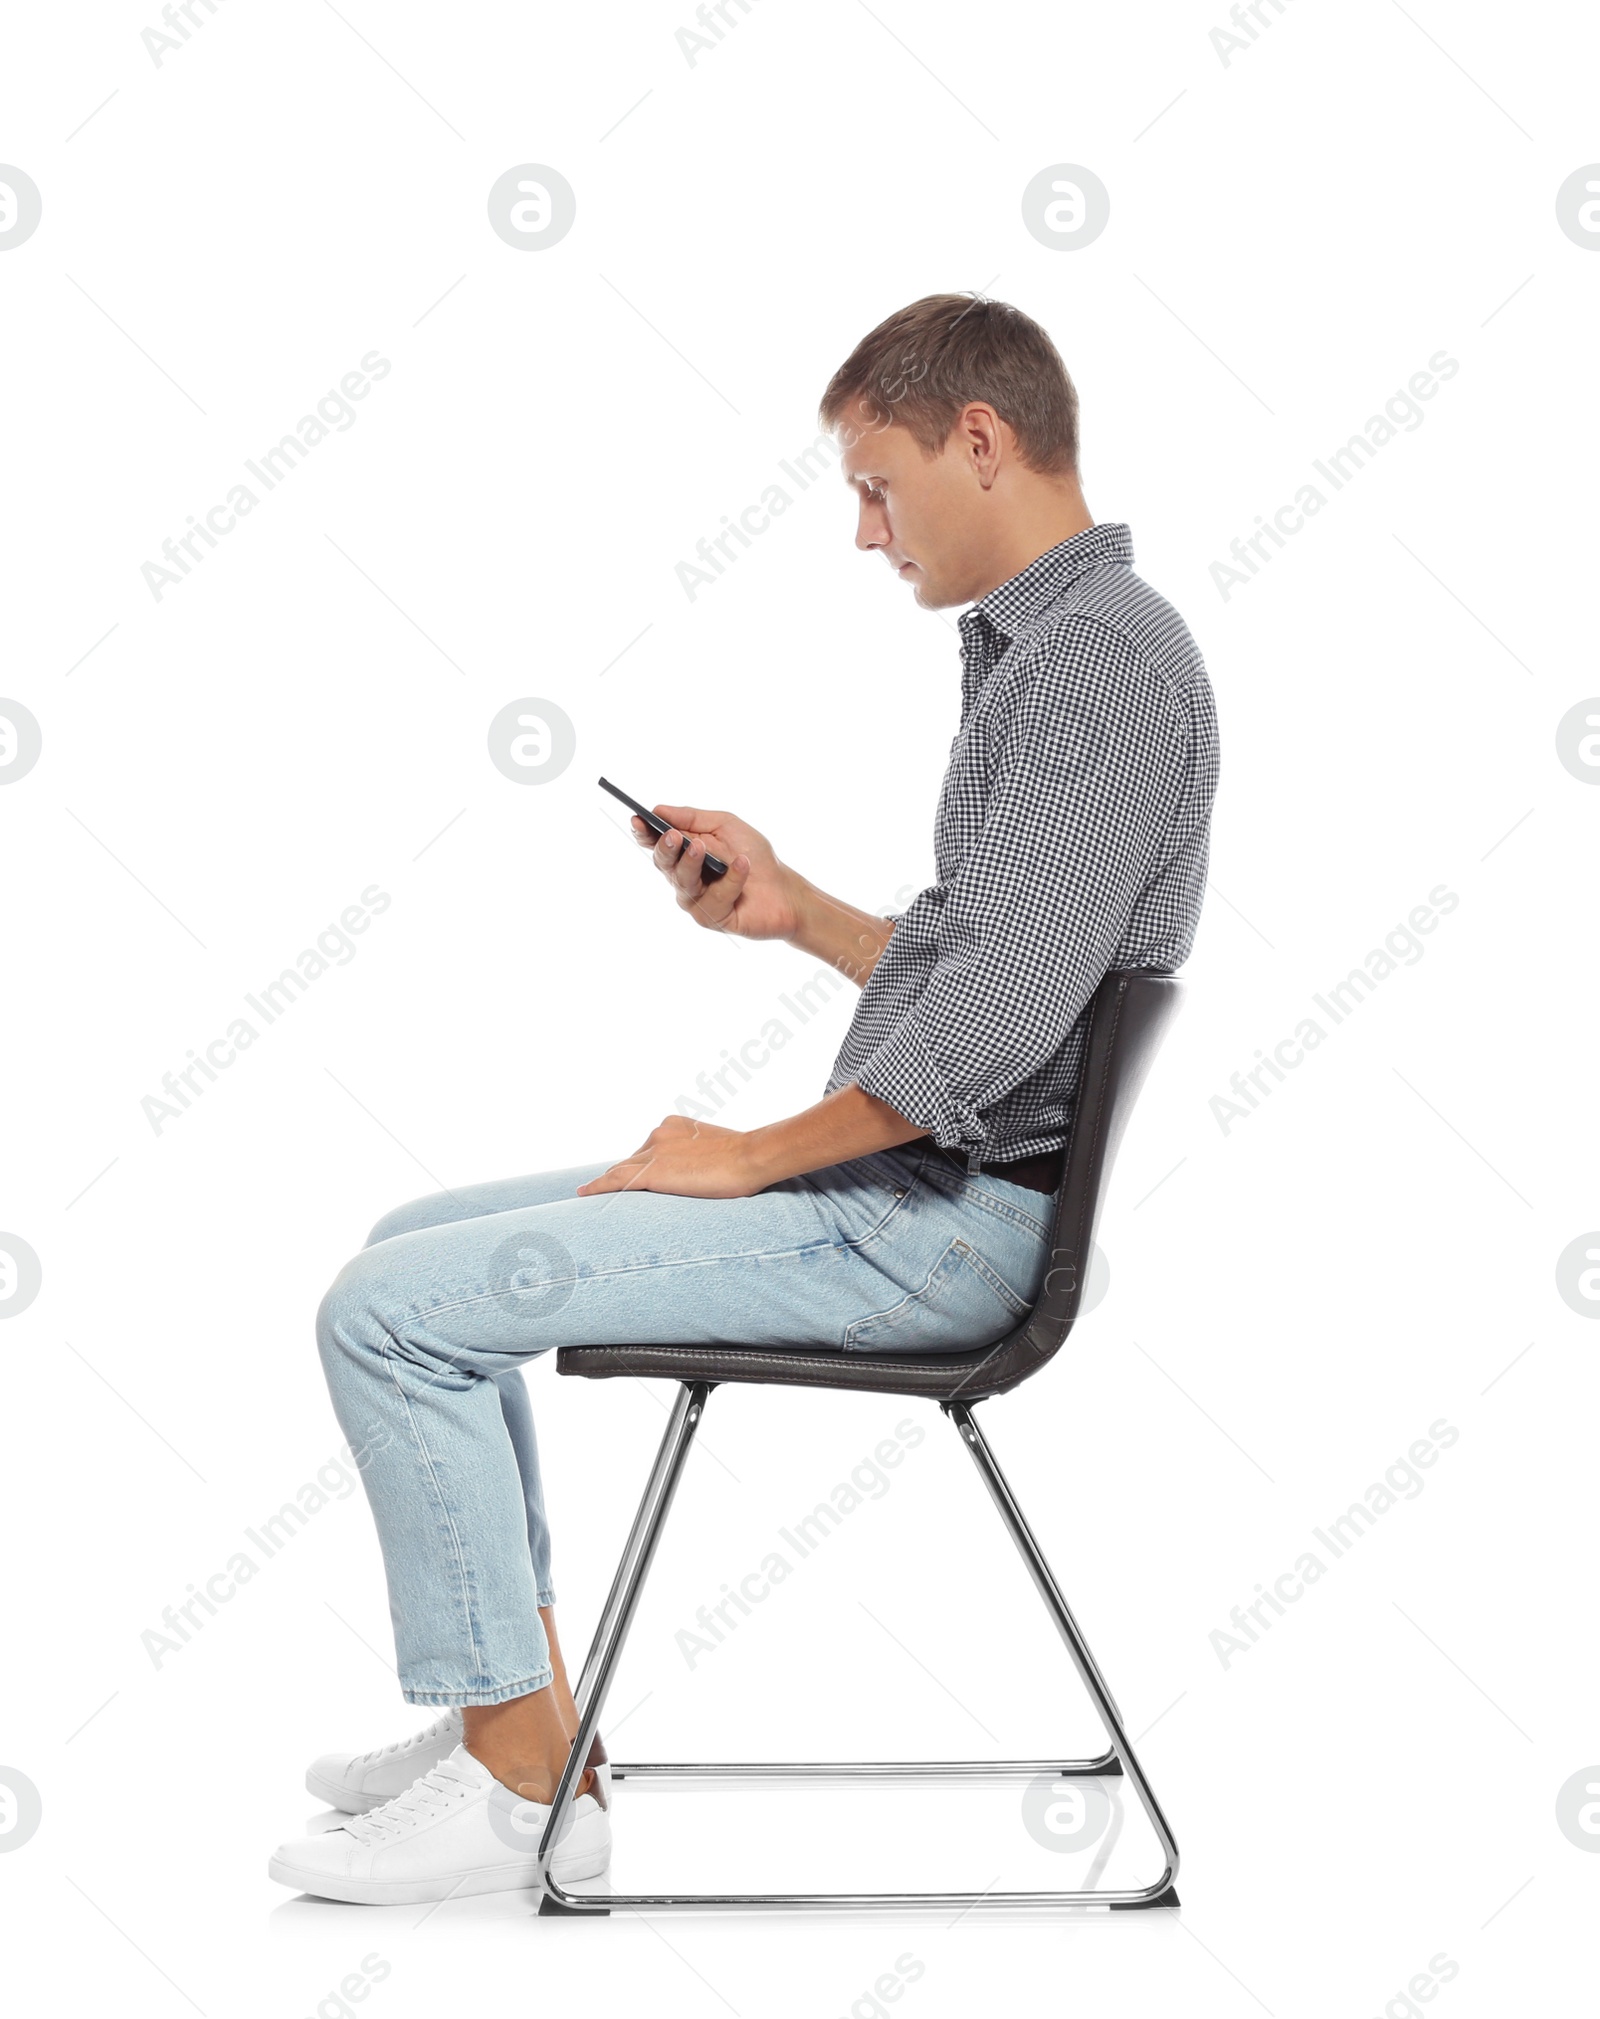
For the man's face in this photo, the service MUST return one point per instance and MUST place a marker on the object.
(917, 511)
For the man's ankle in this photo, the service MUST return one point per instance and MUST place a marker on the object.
(539, 1784)
(533, 1780)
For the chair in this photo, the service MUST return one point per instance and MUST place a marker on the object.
(1130, 1015)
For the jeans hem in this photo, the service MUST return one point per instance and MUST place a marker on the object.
(473, 1698)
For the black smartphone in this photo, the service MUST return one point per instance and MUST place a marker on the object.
(711, 866)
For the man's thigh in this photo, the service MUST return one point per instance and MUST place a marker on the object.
(794, 1265)
(496, 1195)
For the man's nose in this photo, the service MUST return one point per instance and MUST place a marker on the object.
(871, 529)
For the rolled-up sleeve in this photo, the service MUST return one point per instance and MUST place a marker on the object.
(1087, 770)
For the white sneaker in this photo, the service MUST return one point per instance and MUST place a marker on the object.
(454, 1832)
(356, 1782)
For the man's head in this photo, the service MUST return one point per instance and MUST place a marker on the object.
(958, 429)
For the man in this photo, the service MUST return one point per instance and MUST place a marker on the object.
(908, 1209)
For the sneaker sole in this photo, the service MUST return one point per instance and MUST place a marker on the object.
(415, 1892)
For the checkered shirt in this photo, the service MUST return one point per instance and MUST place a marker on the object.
(1071, 837)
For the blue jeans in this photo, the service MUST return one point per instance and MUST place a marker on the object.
(423, 1335)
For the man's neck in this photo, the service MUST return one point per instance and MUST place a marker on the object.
(1058, 518)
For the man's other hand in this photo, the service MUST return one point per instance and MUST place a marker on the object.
(697, 1160)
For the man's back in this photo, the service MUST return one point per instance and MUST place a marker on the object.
(1072, 836)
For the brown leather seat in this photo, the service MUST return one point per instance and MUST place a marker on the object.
(1131, 1013)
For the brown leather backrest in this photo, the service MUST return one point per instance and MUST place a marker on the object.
(1131, 1014)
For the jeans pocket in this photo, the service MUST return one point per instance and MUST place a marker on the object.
(963, 1303)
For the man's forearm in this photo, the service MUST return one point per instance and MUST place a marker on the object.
(846, 1123)
(843, 935)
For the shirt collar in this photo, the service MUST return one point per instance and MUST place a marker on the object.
(1009, 607)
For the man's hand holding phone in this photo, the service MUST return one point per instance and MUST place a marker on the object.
(726, 876)
(758, 898)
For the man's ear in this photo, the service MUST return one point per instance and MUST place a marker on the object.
(985, 439)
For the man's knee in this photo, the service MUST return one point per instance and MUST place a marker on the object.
(366, 1316)
(406, 1219)
(351, 1319)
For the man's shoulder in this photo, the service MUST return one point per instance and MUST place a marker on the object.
(1113, 614)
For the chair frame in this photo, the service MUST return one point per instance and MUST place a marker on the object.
(1038, 1336)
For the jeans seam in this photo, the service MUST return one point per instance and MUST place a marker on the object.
(425, 1458)
(986, 1202)
(471, 1699)
(543, 1288)
(912, 1298)
(997, 1283)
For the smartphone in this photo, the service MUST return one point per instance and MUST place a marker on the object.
(711, 866)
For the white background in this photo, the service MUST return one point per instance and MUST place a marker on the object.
(1292, 1302)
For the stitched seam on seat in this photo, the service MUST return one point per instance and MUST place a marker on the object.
(752, 1356)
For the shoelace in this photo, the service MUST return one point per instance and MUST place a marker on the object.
(433, 1793)
(434, 1731)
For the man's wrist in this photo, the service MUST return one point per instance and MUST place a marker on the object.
(760, 1157)
(802, 894)
(849, 939)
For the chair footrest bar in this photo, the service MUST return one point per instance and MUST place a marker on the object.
(578, 1903)
(880, 1770)
(1167, 1899)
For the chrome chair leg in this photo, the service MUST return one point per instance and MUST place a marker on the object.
(960, 1413)
(630, 1549)
(618, 1617)
(611, 1634)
